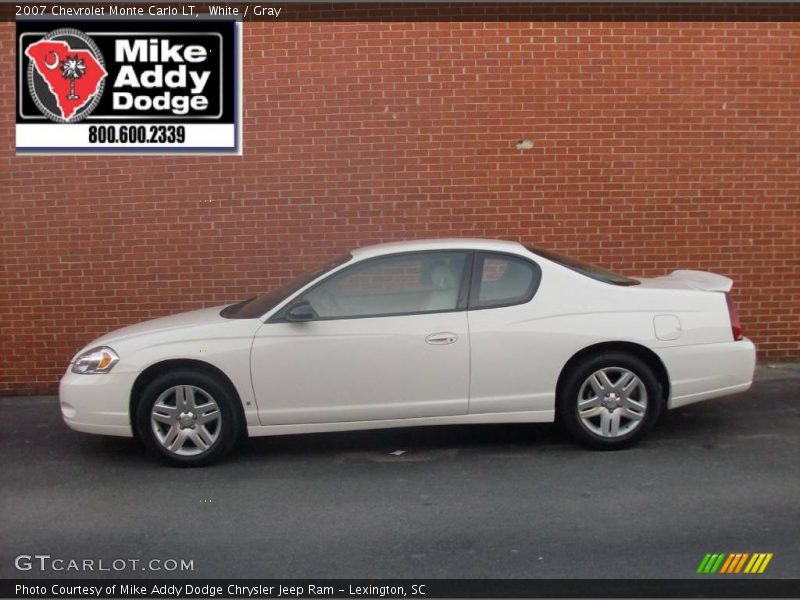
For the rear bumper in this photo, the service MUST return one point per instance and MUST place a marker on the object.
(706, 371)
(97, 403)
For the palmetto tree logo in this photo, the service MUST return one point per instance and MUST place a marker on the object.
(73, 68)
(66, 75)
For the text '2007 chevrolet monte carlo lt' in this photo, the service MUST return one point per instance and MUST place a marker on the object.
(418, 333)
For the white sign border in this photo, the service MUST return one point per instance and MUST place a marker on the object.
(157, 150)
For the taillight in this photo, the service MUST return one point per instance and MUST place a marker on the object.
(736, 326)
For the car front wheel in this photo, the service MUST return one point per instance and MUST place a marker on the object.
(187, 418)
(610, 401)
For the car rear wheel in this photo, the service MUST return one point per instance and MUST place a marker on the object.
(187, 418)
(610, 401)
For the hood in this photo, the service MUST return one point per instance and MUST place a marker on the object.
(195, 318)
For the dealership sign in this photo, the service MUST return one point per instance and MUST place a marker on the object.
(121, 86)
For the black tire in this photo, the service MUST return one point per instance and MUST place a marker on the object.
(572, 391)
(227, 429)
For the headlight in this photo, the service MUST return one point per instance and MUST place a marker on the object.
(96, 360)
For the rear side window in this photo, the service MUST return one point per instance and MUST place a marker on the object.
(503, 280)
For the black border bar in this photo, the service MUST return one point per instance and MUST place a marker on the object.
(398, 12)
(700, 587)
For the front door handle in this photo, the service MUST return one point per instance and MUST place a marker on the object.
(440, 339)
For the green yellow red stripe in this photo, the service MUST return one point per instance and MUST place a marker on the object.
(735, 562)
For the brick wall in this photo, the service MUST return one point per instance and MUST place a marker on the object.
(662, 138)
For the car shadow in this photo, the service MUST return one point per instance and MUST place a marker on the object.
(402, 440)
(693, 422)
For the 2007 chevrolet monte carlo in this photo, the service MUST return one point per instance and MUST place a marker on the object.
(418, 333)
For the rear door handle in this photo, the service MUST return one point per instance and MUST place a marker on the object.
(440, 339)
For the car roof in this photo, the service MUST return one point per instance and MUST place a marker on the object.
(438, 244)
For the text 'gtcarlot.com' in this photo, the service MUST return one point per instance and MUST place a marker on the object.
(46, 562)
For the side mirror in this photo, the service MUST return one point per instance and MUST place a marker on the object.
(301, 312)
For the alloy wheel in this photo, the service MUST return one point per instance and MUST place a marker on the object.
(186, 420)
(612, 402)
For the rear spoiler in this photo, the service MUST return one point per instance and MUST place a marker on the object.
(702, 280)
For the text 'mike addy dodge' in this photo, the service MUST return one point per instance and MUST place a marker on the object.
(111, 86)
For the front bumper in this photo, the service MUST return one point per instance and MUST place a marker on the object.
(97, 403)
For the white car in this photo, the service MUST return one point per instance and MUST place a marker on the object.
(418, 333)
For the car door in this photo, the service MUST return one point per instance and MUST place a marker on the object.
(509, 349)
(389, 340)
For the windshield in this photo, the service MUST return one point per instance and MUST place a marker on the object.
(252, 308)
(584, 268)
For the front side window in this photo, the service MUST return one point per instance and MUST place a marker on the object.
(392, 285)
(503, 280)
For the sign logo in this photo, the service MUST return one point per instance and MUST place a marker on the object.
(132, 86)
(66, 75)
(737, 562)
